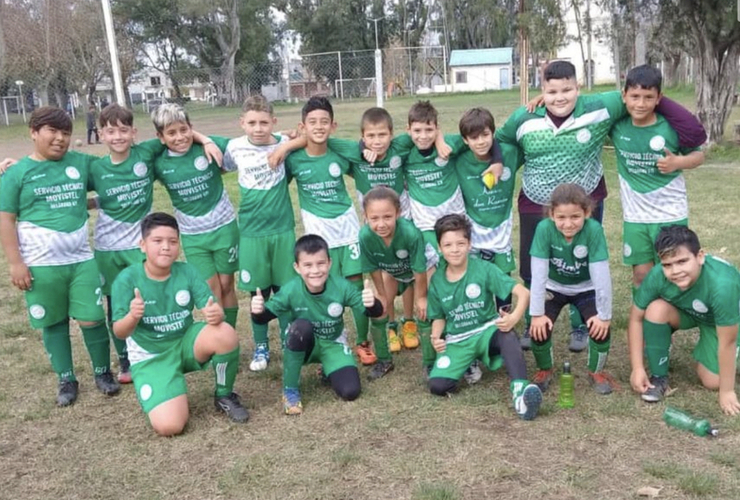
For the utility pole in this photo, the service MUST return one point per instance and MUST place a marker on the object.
(523, 59)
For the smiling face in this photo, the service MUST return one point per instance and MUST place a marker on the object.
(381, 216)
(118, 137)
(51, 143)
(481, 144)
(681, 267)
(177, 136)
(377, 137)
(641, 103)
(313, 268)
(318, 126)
(423, 134)
(454, 246)
(560, 95)
(161, 247)
(569, 219)
(258, 126)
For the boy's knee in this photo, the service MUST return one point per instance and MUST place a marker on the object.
(300, 335)
(168, 428)
(89, 324)
(346, 383)
(658, 311)
(226, 335)
(440, 386)
(708, 379)
(349, 391)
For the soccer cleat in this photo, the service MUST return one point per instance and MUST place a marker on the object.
(526, 340)
(107, 384)
(527, 405)
(542, 379)
(292, 402)
(602, 382)
(394, 342)
(67, 392)
(578, 339)
(261, 358)
(380, 369)
(410, 335)
(657, 392)
(473, 374)
(231, 405)
(365, 353)
(124, 371)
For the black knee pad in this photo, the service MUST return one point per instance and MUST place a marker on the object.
(440, 386)
(346, 383)
(300, 335)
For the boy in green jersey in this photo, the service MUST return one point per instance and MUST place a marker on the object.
(210, 235)
(43, 215)
(688, 289)
(314, 301)
(153, 303)
(650, 163)
(465, 324)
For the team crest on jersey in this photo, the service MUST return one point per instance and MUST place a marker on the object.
(506, 174)
(583, 136)
(140, 169)
(472, 291)
(246, 277)
(443, 362)
(37, 311)
(699, 306)
(72, 173)
(657, 143)
(440, 162)
(402, 253)
(580, 251)
(626, 250)
(395, 162)
(335, 309)
(182, 298)
(334, 170)
(145, 392)
(201, 163)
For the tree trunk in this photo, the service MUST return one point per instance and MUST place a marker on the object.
(670, 70)
(717, 78)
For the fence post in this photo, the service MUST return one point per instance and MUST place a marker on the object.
(378, 78)
(341, 76)
(444, 65)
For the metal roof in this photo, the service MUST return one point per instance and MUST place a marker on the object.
(477, 57)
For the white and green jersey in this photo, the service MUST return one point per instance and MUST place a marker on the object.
(125, 195)
(168, 309)
(326, 208)
(407, 253)
(648, 196)
(489, 210)
(568, 154)
(324, 310)
(49, 200)
(714, 300)
(467, 305)
(568, 261)
(265, 208)
(433, 187)
(195, 188)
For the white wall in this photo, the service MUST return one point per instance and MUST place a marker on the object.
(478, 78)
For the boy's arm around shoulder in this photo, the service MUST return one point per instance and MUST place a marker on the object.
(691, 133)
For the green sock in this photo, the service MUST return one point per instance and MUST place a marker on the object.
(98, 345)
(292, 364)
(362, 325)
(283, 322)
(576, 321)
(393, 325)
(428, 354)
(657, 346)
(543, 354)
(517, 387)
(380, 338)
(597, 354)
(59, 349)
(259, 333)
(226, 367)
(230, 314)
(119, 344)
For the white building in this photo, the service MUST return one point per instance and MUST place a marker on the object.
(481, 69)
(601, 50)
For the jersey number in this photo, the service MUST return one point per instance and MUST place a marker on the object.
(232, 254)
(354, 251)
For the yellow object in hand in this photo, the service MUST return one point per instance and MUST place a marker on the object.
(489, 180)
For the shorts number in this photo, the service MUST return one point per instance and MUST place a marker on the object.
(232, 254)
(99, 293)
(354, 251)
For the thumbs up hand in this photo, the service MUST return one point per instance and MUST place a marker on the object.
(669, 163)
(213, 312)
(258, 302)
(368, 297)
(136, 306)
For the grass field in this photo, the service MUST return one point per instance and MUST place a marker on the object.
(396, 441)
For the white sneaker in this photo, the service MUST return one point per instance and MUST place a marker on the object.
(473, 374)
(261, 359)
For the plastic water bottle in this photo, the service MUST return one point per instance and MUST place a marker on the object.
(566, 398)
(680, 420)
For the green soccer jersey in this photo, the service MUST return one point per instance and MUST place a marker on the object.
(407, 254)
(125, 196)
(569, 261)
(714, 300)
(467, 305)
(265, 207)
(195, 188)
(568, 154)
(168, 310)
(49, 200)
(324, 310)
(649, 196)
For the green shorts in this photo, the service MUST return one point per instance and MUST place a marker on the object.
(215, 252)
(332, 354)
(111, 263)
(430, 238)
(504, 261)
(345, 260)
(639, 241)
(458, 356)
(403, 286)
(705, 350)
(62, 292)
(266, 260)
(162, 377)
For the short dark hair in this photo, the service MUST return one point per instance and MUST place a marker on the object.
(570, 194)
(376, 116)
(452, 222)
(317, 102)
(382, 192)
(310, 244)
(51, 116)
(474, 121)
(155, 220)
(559, 70)
(113, 114)
(422, 112)
(644, 76)
(670, 238)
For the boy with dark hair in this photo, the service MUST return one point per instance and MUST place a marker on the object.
(152, 309)
(687, 289)
(314, 301)
(465, 325)
(650, 163)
